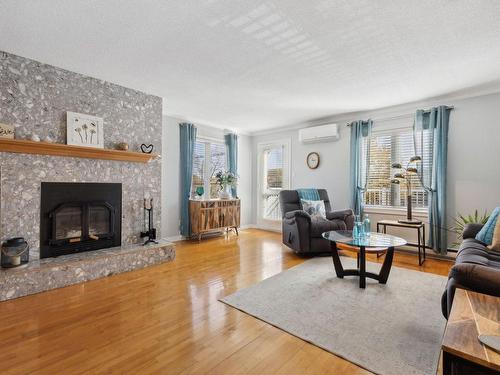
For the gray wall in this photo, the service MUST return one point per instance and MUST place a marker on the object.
(474, 155)
(473, 179)
(332, 174)
(170, 174)
(35, 98)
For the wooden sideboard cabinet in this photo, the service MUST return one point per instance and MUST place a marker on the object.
(214, 215)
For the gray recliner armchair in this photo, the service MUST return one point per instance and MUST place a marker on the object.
(302, 232)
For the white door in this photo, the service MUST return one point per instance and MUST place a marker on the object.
(274, 176)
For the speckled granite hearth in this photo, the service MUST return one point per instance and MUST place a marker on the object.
(51, 273)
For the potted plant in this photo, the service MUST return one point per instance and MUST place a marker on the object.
(461, 221)
(225, 180)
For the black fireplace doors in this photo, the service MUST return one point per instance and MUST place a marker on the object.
(76, 217)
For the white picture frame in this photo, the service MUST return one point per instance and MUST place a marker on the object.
(84, 130)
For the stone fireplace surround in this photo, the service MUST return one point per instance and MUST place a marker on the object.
(35, 98)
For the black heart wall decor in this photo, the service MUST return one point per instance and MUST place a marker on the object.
(147, 149)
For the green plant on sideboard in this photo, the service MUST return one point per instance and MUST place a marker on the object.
(225, 180)
(461, 221)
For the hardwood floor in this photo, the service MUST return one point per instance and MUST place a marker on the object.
(166, 319)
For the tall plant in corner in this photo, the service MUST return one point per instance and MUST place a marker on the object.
(461, 221)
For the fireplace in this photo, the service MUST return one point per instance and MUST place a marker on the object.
(76, 217)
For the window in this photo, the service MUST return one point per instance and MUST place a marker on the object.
(273, 177)
(385, 148)
(217, 164)
(198, 166)
(208, 159)
(274, 168)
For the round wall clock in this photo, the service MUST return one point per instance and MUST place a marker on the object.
(313, 160)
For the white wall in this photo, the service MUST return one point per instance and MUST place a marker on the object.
(473, 156)
(170, 178)
(245, 181)
(170, 174)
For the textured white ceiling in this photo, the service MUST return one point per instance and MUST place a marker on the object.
(254, 65)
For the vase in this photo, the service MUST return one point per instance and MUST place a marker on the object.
(15, 252)
(408, 208)
(409, 217)
(199, 192)
(225, 193)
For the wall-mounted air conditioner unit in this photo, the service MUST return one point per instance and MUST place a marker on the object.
(322, 133)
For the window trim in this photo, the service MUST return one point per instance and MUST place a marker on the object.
(395, 211)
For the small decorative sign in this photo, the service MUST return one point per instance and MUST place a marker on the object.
(84, 130)
(7, 131)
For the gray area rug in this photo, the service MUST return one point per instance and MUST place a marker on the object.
(387, 329)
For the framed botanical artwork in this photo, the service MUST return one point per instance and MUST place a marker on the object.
(84, 130)
(7, 131)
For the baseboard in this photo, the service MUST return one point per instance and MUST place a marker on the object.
(248, 226)
(182, 238)
(430, 253)
(269, 229)
(174, 238)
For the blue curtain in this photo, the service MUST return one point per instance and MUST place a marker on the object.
(360, 159)
(434, 122)
(232, 157)
(187, 140)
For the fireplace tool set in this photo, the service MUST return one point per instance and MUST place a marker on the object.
(149, 232)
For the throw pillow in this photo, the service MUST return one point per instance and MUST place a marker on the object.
(485, 235)
(314, 208)
(495, 243)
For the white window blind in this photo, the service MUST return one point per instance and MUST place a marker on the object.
(217, 164)
(274, 168)
(198, 166)
(208, 159)
(396, 146)
(274, 177)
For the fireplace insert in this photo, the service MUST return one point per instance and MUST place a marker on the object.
(76, 217)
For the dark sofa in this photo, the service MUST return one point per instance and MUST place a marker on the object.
(301, 232)
(476, 268)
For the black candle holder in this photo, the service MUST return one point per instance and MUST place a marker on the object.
(151, 232)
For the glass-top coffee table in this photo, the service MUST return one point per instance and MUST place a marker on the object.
(374, 243)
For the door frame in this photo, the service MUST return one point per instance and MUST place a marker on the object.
(262, 223)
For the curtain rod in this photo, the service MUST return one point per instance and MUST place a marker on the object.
(401, 116)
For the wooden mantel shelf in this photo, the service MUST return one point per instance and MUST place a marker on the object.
(57, 149)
